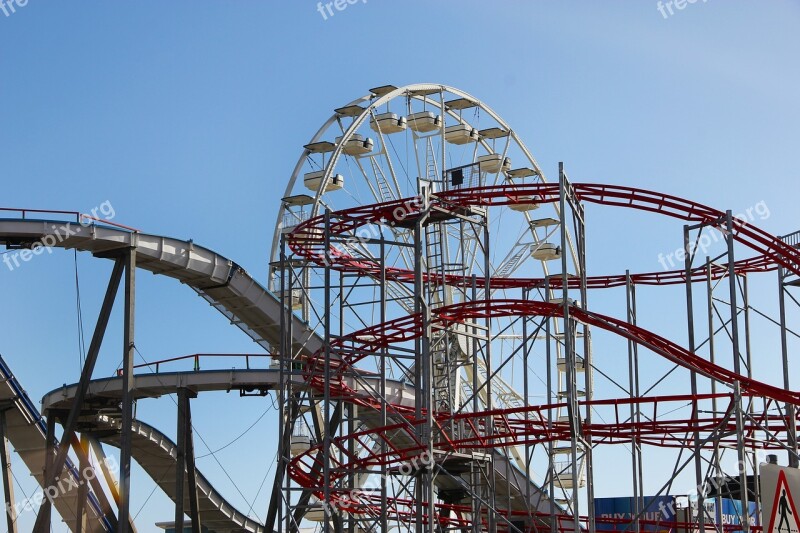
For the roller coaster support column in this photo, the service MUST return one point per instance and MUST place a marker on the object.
(423, 369)
(526, 399)
(551, 485)
(579, 215)
(194, 505)
(45, 511)
(567, 199)
(42, 524)
(750, 407)
(185, 468)
(83, 489)
(108, 475)
(712, 357)
(8, 483)
(275, 509)
(81, 449)
(492, 502)
(790, 409)
(127, 391)
(384, 526)
(477, 526)
(737, 393)
(633, 391)
(285, 512)
(698, 458)
(327, 437)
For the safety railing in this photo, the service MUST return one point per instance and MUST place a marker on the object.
(292, 219)
(198, 357)
(792, 239)
(81, 218)
(463, 177)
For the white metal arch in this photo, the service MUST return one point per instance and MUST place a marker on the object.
(407, 90)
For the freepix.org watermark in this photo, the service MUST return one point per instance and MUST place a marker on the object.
(14, 259)
(667, 8)
(329, 9)
(60, 488)
(707, 238)
(361, 495)
(9, 7)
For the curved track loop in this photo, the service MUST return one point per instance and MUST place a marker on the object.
(307, 239)
(220, 281)
(516, 426)
(503, 428)
(350, 349)
(530, 426)
(157, 455)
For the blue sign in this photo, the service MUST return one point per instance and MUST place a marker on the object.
(731, 513)
(617, 514)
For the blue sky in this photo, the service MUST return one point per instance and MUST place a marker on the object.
(189, 117)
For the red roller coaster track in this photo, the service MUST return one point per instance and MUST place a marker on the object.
(307, 239)
(512, 427)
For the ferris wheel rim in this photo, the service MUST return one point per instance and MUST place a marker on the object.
(359, 120)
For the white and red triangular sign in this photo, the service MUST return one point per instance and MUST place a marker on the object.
(783, 516)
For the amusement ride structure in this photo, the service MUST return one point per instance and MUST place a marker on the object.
(429, 321)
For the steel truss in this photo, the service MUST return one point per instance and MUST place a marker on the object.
(365, 431)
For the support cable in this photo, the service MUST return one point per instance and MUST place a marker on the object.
(200, 436)
(81, 336)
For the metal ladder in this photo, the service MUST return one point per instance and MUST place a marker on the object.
(384, 190)
(431, 169)
(443, 379)
(512, 262)
(435, 264)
